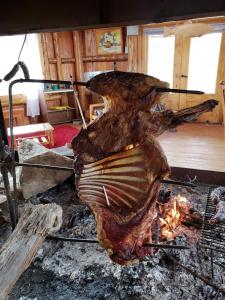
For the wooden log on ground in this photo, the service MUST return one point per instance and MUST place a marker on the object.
(35, 223)
(3, 198)
(191, 217)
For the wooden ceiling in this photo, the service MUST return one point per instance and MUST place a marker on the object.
(38, 16)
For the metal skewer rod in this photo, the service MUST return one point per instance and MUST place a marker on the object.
(166, 181)
(179, 91)
(92, 241)
(106, 196)
(17, 164)
(79, 106)
(183, 183)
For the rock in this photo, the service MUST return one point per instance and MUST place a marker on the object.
(3, 198)
(33, 180)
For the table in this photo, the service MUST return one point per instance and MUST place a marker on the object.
(31, 129)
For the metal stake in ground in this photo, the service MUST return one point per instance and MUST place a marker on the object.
(78, 104)
(4, 172)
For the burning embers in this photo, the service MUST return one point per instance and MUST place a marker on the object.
(170, 216)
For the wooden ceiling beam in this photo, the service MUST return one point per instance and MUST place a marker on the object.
(29, 16)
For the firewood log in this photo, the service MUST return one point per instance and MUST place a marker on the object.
(17, 253)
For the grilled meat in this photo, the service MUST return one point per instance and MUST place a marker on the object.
(119, 163)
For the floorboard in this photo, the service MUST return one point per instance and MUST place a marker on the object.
(195, 146)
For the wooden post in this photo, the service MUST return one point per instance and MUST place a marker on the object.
(57, 53)
(132, 41)
(138, 53)
(44, 55)
(79, 71)
(35, 223)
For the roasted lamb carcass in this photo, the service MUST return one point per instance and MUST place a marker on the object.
(119, 163)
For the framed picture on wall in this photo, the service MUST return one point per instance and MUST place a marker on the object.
(109, 41)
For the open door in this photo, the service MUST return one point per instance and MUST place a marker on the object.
(201, 62)
(189, 63)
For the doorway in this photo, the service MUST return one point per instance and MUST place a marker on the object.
(188, 63)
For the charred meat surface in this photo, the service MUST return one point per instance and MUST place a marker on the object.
(218, 197)
(119, 163)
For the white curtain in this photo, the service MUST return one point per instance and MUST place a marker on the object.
(9, 51)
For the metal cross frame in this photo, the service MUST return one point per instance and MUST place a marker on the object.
(8, 162)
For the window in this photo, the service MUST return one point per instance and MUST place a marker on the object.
(161, 57)
(9, 50)
(203, 62)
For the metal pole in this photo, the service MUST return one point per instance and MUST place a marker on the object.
(12, 152)
(78, 104)
(44, 166)
(177, 182)
(4, 172)
(2, 126)
(80, 109)
(151, 245)
(179, 91)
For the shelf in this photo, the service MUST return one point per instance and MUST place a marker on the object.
(64, 100)
(59, 91)
(60, 110)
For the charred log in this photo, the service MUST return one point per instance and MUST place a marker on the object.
(35, 223)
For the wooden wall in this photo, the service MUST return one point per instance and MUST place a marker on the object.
(94, 62)
(72, 53)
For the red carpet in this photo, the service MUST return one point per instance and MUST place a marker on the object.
(62, 134)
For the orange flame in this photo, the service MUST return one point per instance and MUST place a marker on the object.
(172, 215)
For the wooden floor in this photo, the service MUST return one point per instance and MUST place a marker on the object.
(195, 146)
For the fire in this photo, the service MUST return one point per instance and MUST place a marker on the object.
(172, 216)
(129, 147)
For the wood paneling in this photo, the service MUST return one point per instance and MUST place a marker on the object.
(79, 68)
(66, 49)
(137, 53)
(94, 62)
(53, 72)
(57, 55)
(221, 77)
(50, 46)
(72, 53)
(89, 43)
(132, 53)
(68, 71)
